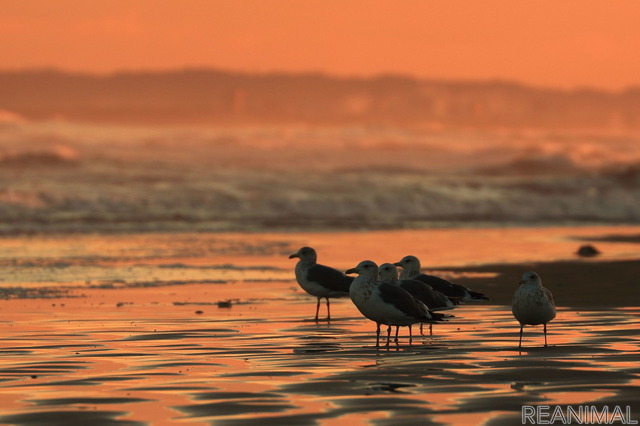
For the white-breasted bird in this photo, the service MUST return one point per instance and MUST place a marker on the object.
(319, 280)
(384, 303)
(533, 304)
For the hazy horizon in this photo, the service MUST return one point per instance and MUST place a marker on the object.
(215, 96)
(316, 73)
(545, 44)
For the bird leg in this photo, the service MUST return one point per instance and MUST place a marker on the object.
(421, 330)
(328, 310)
(520, 344)
(545, 335)
(397, 329)
(377, 334)
(317, 309)
(430, 329)
(411, 335)
(388, 335)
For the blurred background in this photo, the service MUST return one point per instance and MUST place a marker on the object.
(224, 115)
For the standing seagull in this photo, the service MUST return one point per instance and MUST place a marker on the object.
(434, 300)
(533, 304)
(456, 292)
(384, 303)
(319, 280)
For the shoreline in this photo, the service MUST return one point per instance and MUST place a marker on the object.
(574, 284)
(489, 260)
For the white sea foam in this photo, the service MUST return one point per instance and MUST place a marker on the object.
(64, 177)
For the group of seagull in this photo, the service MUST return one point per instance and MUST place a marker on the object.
(411, 297)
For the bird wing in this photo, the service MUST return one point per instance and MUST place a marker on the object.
(477, 295)
(329, 278)
(403, 301)
(443, 286)
(548, 295)
(451, 290)
(424, 293)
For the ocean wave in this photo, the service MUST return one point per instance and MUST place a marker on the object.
(54, 156)
(339, 201)
(133, 180)
(533, 165)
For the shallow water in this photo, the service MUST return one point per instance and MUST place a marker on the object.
(211, 328)
(160, 363)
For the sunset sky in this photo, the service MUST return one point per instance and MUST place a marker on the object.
(555, 43)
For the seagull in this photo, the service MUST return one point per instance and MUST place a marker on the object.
(432, 299)
(384, 303)
(319, 280)
(533, 304)
(456, 292)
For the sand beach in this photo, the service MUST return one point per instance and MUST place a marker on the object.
(208, 328)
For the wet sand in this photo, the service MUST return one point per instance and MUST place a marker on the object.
(211, 329)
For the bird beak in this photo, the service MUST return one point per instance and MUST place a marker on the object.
(294, 255)
(351, 271)
(397, 264)
(521, 282)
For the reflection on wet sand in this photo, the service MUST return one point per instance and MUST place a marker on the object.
(145, 340)
(155, 363)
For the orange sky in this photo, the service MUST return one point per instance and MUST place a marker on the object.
(559, 43)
